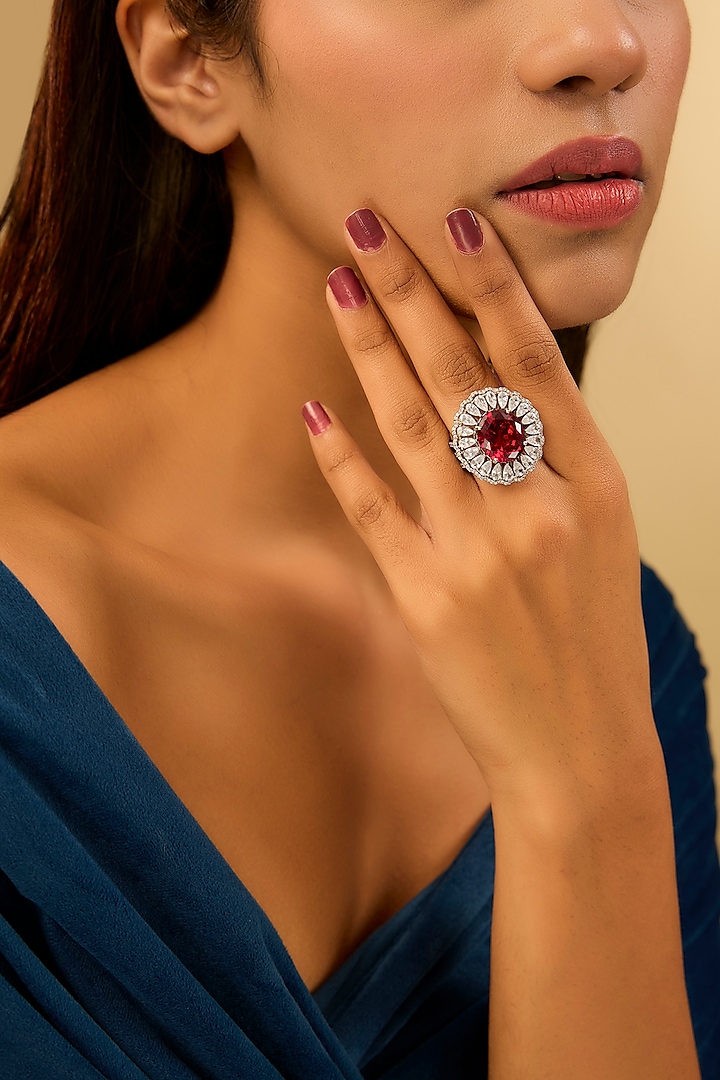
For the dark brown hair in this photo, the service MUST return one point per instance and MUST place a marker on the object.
(115, 233)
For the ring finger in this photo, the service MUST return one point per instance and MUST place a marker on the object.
(446, 357)
(408, 420)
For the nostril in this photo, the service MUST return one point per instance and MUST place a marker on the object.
(592, 57)
(628, 84)
(574, 82)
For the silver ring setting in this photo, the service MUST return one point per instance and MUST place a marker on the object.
(497, 435)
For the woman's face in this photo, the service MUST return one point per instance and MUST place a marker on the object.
(415, 107)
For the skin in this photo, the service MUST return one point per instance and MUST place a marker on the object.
(310, 697)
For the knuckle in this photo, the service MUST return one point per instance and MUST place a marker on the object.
(611, 494)
(400, 282)
(416, 424)
(494, 288)
(340, 460)
(551, 538)
(603, 491)
(536, 360)
(374, 341)
(554, 535)
(372, 508)
(442, 602)
(457, 367)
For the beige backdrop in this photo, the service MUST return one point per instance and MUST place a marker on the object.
(660, 349)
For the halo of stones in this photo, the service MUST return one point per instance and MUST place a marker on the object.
(467, 423)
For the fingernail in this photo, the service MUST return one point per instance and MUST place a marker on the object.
(366, 231)
(315, 417)
(347, 288)
(465, 231)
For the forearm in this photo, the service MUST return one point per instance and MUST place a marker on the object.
(587, 975)
(525, 609)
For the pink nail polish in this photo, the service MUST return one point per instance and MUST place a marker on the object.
(465, 231)
(365, 230)
(315, 417)
(347, 288)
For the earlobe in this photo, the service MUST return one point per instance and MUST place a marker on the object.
(181, 87)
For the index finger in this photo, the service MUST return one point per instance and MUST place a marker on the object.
(521, 346)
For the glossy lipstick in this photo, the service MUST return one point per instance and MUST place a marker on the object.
(591, 183)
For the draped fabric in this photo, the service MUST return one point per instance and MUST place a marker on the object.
(129, 949)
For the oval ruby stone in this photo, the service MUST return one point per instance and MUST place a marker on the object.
(500, 435)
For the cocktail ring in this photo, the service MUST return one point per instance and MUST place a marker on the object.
(497, 435)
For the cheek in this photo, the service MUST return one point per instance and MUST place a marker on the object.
(673, 45)
(415, 118)
(660, 91)
(363, 110)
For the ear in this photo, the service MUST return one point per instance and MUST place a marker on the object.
(189, 95)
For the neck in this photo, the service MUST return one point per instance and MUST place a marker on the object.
(235, 379)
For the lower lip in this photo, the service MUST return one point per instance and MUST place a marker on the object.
(595, 204)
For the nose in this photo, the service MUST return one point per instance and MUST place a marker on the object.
(586, 46)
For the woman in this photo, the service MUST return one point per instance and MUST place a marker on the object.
(287, 749)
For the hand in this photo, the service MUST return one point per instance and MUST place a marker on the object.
(523, 602)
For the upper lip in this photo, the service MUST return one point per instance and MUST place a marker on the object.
(593, 154)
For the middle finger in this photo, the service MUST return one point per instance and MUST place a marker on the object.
(445, 356)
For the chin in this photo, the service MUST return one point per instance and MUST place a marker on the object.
(580, 309)
(568, 292)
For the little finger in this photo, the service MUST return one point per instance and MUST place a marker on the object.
(394, 539)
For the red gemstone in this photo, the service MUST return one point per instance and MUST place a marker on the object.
(500, 435)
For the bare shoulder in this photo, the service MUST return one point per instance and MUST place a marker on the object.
(57, 449)
(56, 456)
(40, 445)
(74, 530)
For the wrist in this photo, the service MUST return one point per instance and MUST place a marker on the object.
(585, 799)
